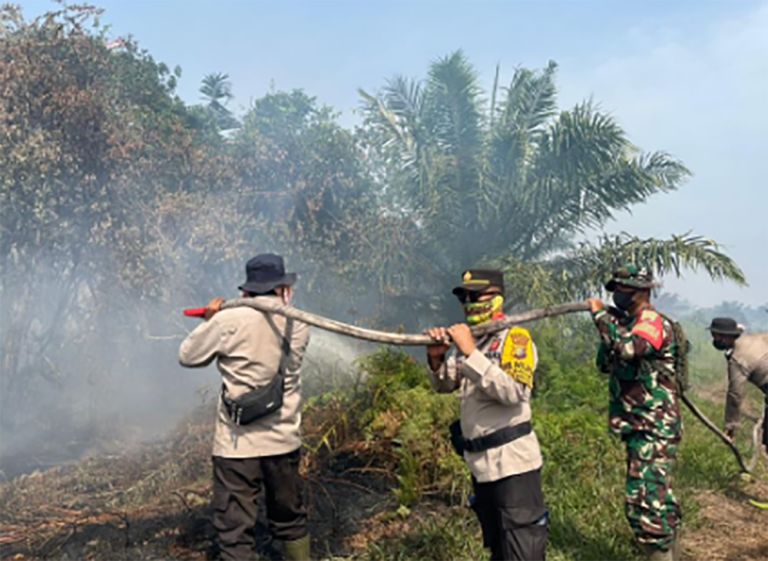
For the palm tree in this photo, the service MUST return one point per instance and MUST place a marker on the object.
(217, 92)
(514, 179)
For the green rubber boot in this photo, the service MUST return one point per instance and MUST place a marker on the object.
(297, 550)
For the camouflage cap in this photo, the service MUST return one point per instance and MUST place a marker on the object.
(632, 276)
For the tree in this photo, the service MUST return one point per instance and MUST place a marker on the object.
(93, 145)
(673, 305)
(754, 318)
(514, 178)
(302, 180)
(217, 92)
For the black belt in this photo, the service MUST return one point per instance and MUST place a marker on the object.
(496, 438)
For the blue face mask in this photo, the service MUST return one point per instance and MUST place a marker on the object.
(624, 300)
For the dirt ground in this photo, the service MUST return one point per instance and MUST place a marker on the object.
(98, 511)
(730, 528)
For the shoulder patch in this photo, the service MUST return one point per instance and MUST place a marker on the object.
(517, 358)
(650, 315)
(650, 326)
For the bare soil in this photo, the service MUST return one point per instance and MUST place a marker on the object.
(153, 503)
(729, 527)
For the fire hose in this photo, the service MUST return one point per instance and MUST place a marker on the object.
(727, 441)
(405, 339)
(402, 339)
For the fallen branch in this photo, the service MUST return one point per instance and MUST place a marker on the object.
(404, 339)
(182, 499)
(711, 426)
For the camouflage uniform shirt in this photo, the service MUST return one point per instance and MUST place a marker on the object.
(639, 353)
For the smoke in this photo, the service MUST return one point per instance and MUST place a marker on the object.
(329, 363)
(90, 368)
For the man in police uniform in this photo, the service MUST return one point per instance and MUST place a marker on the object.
(747, 357)
(638, 349)
(495, 377)
(251, 348)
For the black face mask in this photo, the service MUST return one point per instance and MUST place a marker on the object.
(720, 345)
(624, 300)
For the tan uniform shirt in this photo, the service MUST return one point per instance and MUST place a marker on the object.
(747, 361)
(490, 400)
(247, 346)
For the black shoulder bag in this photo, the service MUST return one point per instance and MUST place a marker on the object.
(262, 401)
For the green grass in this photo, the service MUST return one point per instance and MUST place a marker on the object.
(447, 535)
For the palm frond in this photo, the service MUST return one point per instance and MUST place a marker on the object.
(453, 106)
(395, 116)
(394, 125)
(530, 102)
(586, 170)
(590, 265)
(494, 92)
(453, 116)
(404, 98)
(215, 87)
(530, 284)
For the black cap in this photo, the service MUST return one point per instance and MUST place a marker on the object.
(477, 280)
(265, 272)
(725, 326)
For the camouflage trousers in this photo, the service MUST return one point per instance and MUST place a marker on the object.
(649, 503)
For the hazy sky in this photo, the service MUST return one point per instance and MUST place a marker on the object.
(686, 77)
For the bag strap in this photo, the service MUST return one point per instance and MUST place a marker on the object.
(682, 350)
(286, 346)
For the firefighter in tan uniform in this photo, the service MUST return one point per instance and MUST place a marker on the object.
(494, 376)
(747, 357)
(257, 439)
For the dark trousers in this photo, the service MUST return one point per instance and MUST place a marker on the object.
(513, 517)
(765, 419)
(236, 484)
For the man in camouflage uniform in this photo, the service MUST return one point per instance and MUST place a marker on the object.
(638, 350)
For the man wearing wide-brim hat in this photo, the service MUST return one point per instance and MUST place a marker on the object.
(257, 440)
(747, 357)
